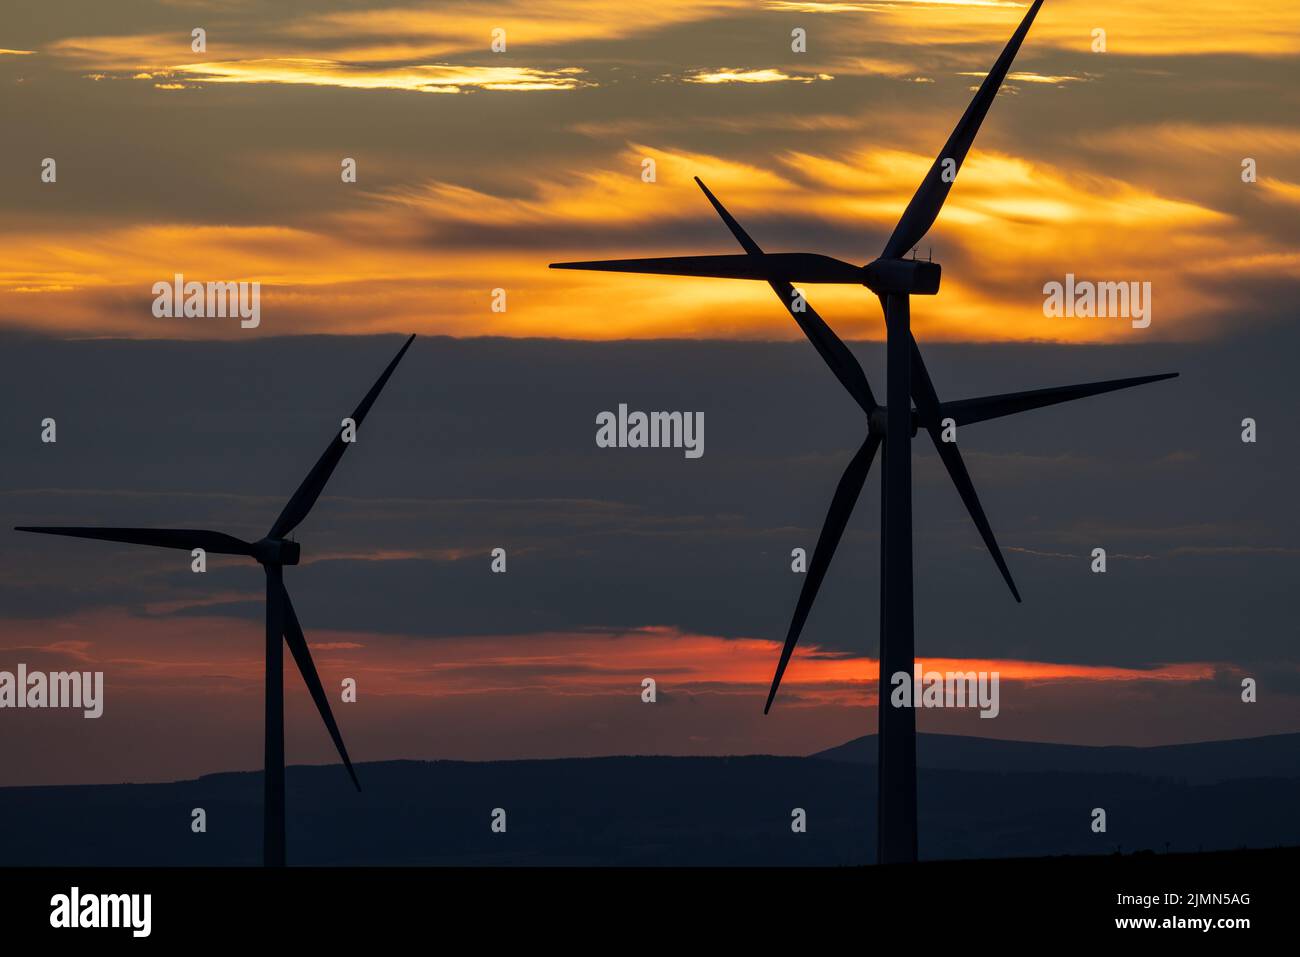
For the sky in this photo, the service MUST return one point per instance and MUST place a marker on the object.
(475, 169)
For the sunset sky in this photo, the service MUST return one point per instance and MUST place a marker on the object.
(475, 170)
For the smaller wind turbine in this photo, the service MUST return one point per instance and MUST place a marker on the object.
(273, 552)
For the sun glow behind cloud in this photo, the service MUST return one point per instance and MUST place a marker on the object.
(366, 269)
(751, 76)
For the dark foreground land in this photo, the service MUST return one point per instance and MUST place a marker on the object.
(979, 799)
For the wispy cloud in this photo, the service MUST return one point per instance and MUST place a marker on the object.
(752, 76)
(420, 78)
(416, 78)
(1019, 76)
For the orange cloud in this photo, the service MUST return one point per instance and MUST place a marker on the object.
(1159, 27)
(369, 269)
(183, 696)
(424, 257)
(592, 663)
(1282, 191)
(364, 42)
(434, 78)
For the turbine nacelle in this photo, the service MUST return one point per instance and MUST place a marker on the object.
(277, 551)
(904, 277)
(878, 421)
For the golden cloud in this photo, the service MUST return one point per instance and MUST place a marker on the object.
(752, 76)
(371, 269)
(434, 78)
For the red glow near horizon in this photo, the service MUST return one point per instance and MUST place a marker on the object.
(536, 695)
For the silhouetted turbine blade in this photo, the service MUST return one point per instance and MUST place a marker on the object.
(186, 538)
(793, 267)
(828, 345)
(837, 518)
(746, 241)
(952, 460)
(297, 642)
(302, 500)
(967, 411)
(930, 195)
(928, 409)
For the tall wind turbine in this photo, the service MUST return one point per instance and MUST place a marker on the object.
(273, 552)
(892, 425)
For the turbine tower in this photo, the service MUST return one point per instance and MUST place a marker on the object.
(890, 427)
(273, 552)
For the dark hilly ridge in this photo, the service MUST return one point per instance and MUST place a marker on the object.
(1008, 799)
(1206, 762)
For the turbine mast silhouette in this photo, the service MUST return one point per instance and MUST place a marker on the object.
(890, 428)
(273, 552)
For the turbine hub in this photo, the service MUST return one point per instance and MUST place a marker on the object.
(276, 551)
(878, 421)
(913, 277)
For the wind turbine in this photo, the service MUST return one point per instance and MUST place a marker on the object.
(273, 552)
(891, 426)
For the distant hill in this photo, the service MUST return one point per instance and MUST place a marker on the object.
(985, 799)
(1205, 762)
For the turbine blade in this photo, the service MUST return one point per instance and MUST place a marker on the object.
(746, 241)
(928, 411)
(186, 538)
(296, 509)
(967, 411)
(952, 460)
(837, 518)
(793, 267)
(930, 195)
(828, 345)
(297, 643)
